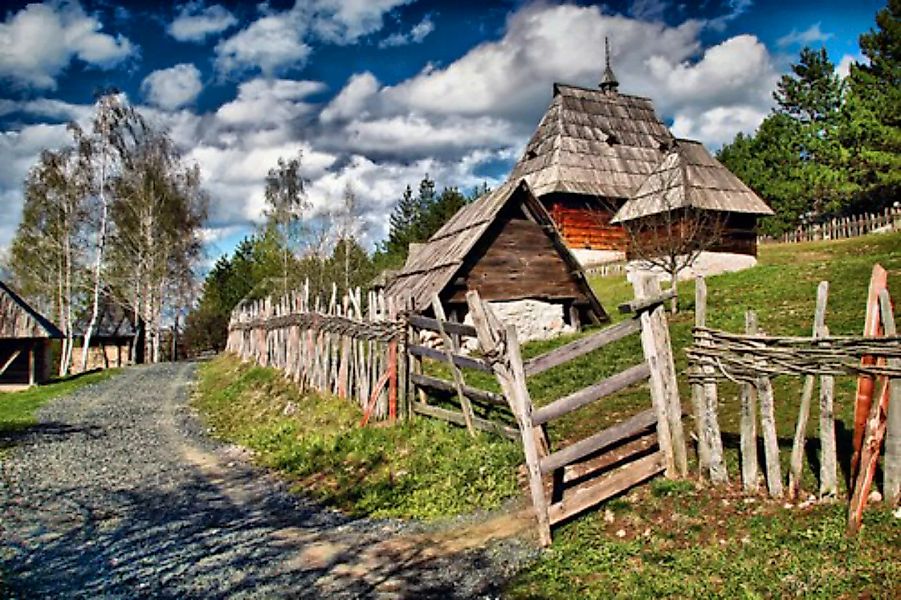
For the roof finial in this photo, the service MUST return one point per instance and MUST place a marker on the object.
(608, 82)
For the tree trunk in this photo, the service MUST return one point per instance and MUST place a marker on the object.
(98, 265)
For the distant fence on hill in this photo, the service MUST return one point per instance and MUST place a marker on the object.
(841, 228)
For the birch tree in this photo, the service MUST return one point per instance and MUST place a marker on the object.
(116, 129)
(286, 204)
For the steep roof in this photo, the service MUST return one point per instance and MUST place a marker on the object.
(688, 176)
(596, 142)
(114, 321)
(431, 267)
(19, 320)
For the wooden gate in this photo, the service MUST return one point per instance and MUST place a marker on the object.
(649, 443)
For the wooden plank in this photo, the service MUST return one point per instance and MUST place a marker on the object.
(442, 385)
(607, 486)
(457, 418)
(580, 347)
(697, 389)
(461, 361)
(770, 440)
(865, 384)
(641, 304)
(748, 422)
(796, 464)
(449, 349)
(709, 396)
(590, 394)
(892, 463)
(450, 327)
(604, 439)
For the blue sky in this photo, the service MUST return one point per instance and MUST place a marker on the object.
(377, 93)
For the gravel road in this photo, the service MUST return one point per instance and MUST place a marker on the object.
(118, 493)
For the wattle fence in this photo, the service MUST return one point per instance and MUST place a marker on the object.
(841, 228)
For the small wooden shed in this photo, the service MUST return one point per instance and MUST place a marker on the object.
(687, 178)
(25, 341)
(504, 245)
(112, 340)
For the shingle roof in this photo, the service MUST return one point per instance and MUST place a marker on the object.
(594, 142)
(688, 176)
(431, 266)
(19, 320)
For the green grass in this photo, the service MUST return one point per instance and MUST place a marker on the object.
(422, 469)
(17, 409)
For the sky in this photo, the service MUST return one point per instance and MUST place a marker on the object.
(378, 93)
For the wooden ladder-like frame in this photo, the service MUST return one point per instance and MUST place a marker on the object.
(500, 346)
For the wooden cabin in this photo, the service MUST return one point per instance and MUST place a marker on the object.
(505, 246)
(595, 148)
(26, 339)
(690, 179)
(114, 342)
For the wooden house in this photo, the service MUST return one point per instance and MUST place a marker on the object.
(689, 178)
(25, 341)
(593, 148)
(505, 246)
(593, 151)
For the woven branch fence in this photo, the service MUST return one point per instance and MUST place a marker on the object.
(846, 227)
(338, 346)
(752, 359)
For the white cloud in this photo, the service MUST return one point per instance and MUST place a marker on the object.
(415, 36)
(346, 21)
(269, 102)
(173, 87)
(271, 43)
(49, 108)
(719, 124)
(811, 35)
(648, 10)
(279, 40)
(195, 22)
(351, 101)
(38, 43)
(843, 68)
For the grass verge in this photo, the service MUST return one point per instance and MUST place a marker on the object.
(18, 409)
(421, 469)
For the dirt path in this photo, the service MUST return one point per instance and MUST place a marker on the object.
(118, 493)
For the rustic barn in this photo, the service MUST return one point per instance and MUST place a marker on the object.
(592, 149)
(505, 246)
(25, 341)
(689, 178)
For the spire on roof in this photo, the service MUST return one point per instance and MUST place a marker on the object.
(608, 82)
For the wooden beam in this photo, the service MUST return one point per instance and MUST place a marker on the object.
(641, 304)
(450, 327)
(607, 486)
(580, 347)
(461, 361)
(892, 462)
(457, 418)
(449, 349)
(604, 439)
(10, 361)
(442, 385)
(590, 394)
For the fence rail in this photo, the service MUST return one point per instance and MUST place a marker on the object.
(841, 228)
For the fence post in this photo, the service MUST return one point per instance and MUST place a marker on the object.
(770, 440)
(892, 465)
(748, 424)
(664, 388)
(707, 398)
(797, 456)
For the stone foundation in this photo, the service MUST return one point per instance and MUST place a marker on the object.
(707, 264)
(533, 319)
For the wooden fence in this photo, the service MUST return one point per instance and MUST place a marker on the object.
(586, 472)
(840, 228)
(340, 346)
(752, 359)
